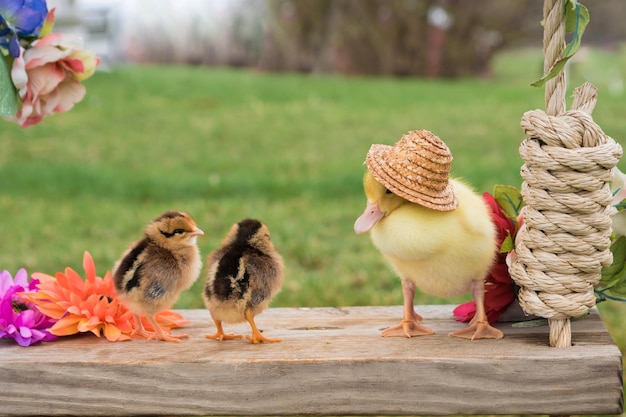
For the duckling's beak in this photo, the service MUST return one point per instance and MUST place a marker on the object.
(368, 219)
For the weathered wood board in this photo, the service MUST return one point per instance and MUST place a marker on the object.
(332, 362)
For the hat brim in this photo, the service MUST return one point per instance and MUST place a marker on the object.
(408, 188)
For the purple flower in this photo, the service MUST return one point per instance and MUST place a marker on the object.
(21, 320)
(20, 18)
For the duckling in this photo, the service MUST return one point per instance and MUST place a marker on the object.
(435, 232)
(243, 276)
(152, 273)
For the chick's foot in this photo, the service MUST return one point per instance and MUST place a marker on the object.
(478, 330)
(407, 328)
(161, 334)
(221, 336)
(257, 337)
(168, 338)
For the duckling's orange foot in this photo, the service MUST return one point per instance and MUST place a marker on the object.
(478, 330)
(257, 337)
(407, 328)
(221, 336)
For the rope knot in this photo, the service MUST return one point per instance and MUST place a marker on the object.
(565, 240)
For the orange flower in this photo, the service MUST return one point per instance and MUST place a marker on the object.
(87, 306)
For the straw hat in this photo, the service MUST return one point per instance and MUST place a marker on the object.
(416, 168)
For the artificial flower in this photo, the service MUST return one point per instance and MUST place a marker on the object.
(19, 319)
(20, 19)
(499, 287)
(82, 306)
(90, 305)
(42, 71)
(48, 77)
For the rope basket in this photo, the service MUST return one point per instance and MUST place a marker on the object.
(568, 162)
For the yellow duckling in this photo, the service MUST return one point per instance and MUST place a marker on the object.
(435, 232)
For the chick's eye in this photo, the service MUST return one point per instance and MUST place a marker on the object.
(387, 191)
(179, 231)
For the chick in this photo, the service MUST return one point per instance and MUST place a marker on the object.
(443, 242)
(243, 276)
(153, 272)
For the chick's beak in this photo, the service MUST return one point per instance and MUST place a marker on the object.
(368, 219)
(197, 232)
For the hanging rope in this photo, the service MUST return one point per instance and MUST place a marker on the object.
(568, 161)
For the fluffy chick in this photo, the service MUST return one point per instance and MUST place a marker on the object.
(443, 253)
(243, 276)
(153, 272)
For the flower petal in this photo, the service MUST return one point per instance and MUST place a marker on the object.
(111, 332)
(89, 267)
(66, 326)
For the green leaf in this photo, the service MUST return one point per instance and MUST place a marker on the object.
(510, 199)
(507, 245)
(531, 323)
(48, 24)
(8, 94)
(618, 286)
(576, 20)
(612, 274)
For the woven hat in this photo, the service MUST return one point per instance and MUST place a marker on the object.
(416, 168)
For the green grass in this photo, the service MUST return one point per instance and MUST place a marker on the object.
(288, 149)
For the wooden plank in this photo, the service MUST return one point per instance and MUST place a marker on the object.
(332, 362)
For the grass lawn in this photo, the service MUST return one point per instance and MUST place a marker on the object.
(288, 149)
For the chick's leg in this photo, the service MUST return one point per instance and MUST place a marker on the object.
(256, 336)
(160, 334)
(410, 325)
(220, 335)
(479, 327)
(139, 329)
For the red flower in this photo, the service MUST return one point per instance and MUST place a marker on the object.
(499, 287)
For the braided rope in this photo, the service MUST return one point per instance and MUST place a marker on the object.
(568, 161)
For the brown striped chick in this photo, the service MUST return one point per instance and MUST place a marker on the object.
(153, 272)
(243, 276)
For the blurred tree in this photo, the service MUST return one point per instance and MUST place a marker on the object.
(433, 38)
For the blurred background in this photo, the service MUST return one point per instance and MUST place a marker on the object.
(427, 38)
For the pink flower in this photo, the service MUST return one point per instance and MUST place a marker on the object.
(19, 319)
(48, 76)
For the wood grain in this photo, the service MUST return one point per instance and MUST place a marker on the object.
(332, 362)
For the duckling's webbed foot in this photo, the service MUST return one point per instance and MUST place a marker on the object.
(407, 328)
(410, 325)
(478, 330)
(479, 327)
